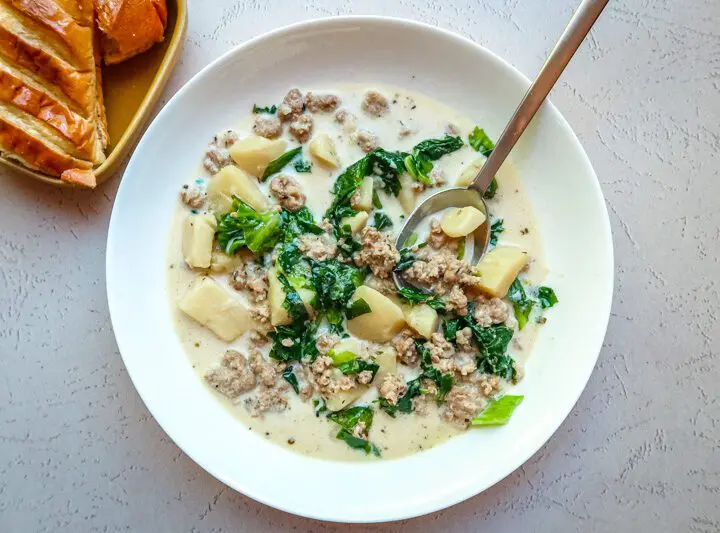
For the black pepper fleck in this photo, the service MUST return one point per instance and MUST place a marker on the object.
(291, 441)
(197, 345)
(413, 107)
(524, 231)
(267, 433)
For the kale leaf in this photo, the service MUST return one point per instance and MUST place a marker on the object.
(480, 142)
(419, 163)
(357, 308)
(345, 186)
(522, 305)
(434, 149)
(387, 166)
(302, 346)
(270, 110)
(493, 357)
(491, 190)
(450, 328)
(319, 405)
(348, 420)
(278, 164)
(547, 297)
(407, 258)
(419, 168)
(493, 342)
(351, 417)
(244, 226)
(289, 376)
(297, 223)
(357, 443)
(335, 283)
(293, 304)
(381, 221)
(496, 228)
(335, 320)
(302, 165)
(358, 365)
(414, 295)
(405, 402)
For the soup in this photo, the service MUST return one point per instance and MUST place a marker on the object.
(280, 276)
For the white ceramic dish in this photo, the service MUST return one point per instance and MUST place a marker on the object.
(571, 216)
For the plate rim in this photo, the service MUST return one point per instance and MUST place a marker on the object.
(458, 496)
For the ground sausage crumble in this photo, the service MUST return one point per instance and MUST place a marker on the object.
(288, 192)
(378, 253)
(375, 104)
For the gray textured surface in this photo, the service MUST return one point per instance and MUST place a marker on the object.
(641, 451)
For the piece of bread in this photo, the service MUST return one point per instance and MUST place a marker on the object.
(52, 117)
(130, 27)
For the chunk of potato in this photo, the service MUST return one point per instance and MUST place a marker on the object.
(386, 358)
(221, 263)
(364, 196)
(229, 182)
(356, 222)
(322, 148)
(197, 240)
(254, 153)
(470, 172)
(406, 197)
(383, 321)
(276, 296)
(422, 318)
(499, 268)
(215, 308)
(342, 399)
(461, 221)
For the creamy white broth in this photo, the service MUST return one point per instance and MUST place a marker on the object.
(297, 427)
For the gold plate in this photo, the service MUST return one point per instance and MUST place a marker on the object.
(131, 90)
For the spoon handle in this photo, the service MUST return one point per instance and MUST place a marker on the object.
(572, 37)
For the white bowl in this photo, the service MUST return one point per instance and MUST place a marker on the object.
(571, 216)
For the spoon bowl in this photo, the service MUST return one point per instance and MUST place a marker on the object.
(453, 197)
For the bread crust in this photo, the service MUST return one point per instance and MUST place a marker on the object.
(49, 69)
(32, 100)
(34, 153)
(52, 116)
(77, 34)
(130, 27)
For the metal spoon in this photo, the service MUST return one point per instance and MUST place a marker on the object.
(473, 195)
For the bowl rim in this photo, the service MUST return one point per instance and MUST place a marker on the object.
(459, 496)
